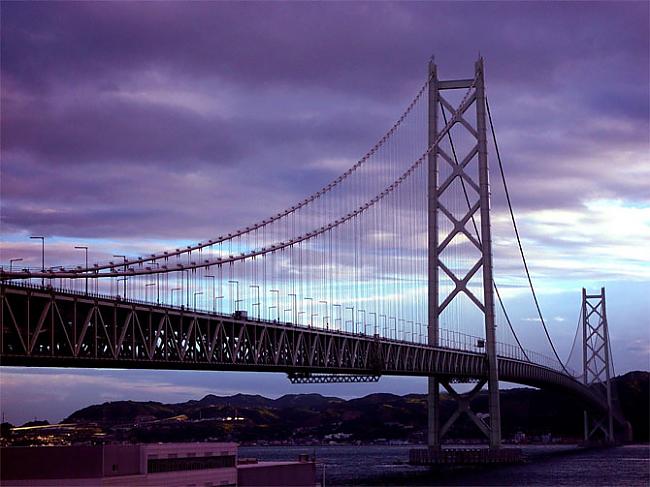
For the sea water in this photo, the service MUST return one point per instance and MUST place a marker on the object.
(547, 466)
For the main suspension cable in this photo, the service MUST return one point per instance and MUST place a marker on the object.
(521, 249)
(575, 337)
(381, 142)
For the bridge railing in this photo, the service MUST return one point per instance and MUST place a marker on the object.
(471, 343)
(447, 338)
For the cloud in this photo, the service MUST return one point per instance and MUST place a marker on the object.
(152, 125)
(270, 91)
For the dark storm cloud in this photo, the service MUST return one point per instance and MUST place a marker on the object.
(348, 46)
(91, 113)
(351, 47)
(133, 121)
(110, 129)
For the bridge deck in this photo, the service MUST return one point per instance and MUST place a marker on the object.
(51, 328)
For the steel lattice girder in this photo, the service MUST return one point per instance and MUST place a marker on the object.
(53, 329)
(307, 378)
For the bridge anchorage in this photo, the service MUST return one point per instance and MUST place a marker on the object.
(386, 270)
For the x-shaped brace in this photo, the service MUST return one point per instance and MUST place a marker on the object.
(461, 285)
(463, 401)
(459, 227)
(459, 114)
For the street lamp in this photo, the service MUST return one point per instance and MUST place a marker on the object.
(408, 325)
(339, 318)
(295, 307)
(374, 321)
(389, 328)
(195, 295)
(258, 304)
(11, 262)
(146, 291)
(237, 300)
(85, 248)
(326, 323)
(157, 264)
(385, 326)
(214, 294)
(311, 304)
(277, 306)
(123, 257)
(118, 280)
(172, 293)
(351, 308)
(42, 239)
(220, 299)
(285, 315)
(362, 322)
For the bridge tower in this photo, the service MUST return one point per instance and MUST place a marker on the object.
(479, 236)
(596, 360)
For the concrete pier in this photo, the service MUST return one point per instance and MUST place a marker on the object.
(464, 456)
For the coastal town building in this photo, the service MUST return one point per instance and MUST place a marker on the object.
(163, 464)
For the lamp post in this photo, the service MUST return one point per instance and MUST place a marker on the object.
(157, 264)
(118, 280)
(42, 239)
(374, 321)
(187, 285)
(11, 262)
(123, 257)
(362, 322)
(237, 300)
(172, 293)
(146, 290)
(311, 309)
(326, 323)
(195, 295)
(295, 307)
(214, 294)
(339, 318)
(351, 308)
(277, 306)
(384, 327)
(255, 286)
(84, 248)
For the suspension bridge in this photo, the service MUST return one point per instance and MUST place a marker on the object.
(386, 270)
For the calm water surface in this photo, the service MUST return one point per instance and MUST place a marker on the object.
(548, 466)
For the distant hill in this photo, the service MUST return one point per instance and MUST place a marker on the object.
(35, 423)
(123, 411)
(313, 417)
(633, 390)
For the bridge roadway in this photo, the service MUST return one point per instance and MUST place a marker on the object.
(53, 328)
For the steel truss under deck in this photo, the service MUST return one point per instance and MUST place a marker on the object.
(47, 328)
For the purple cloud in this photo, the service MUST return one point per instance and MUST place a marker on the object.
(160, 122)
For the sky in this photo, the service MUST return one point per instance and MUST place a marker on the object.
(130, 127)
